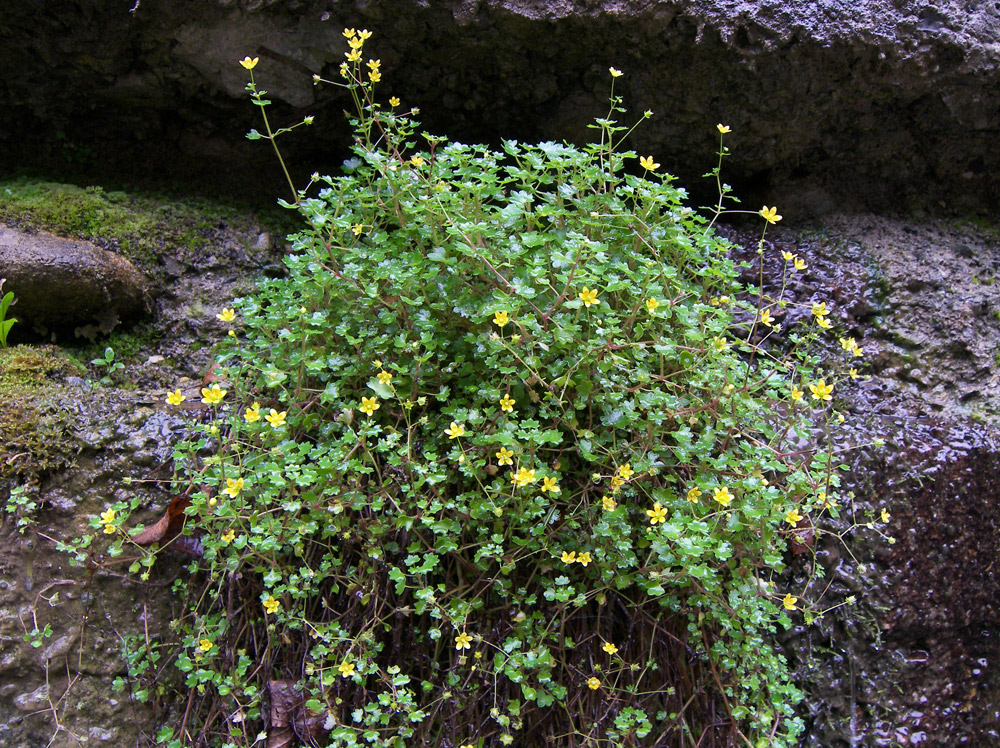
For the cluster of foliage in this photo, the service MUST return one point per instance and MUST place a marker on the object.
(5, 323)
(506, 458)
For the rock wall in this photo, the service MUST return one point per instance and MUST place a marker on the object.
(834, 105)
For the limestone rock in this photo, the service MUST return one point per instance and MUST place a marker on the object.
(66, 284)
(834, 105)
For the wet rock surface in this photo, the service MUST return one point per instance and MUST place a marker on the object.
(62, 284)
(834, 105)
(62, 626)
(915, 661)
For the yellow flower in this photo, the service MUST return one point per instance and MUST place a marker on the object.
(365, 34)
(276, 419)
(610, 648)
(616, 483)
(719, 344)
(226, 315)
(176, 398)
(369, 405)
(417, 160)
(787, 256)
(248, 63)
(626, 471)
(507, 404)
(770, 214)
(847, 343)
(393, 101)
(358, 229)
(656, 514)
(228, 536)
(593, 683)
(615, 73)
(346, 669)
(271, 605)
(885, 515)
(212, 395)
(797, 394)
(463, 641)
(651, 305)
(648, 164)
(523, 477)
(252, 414)
(693, 493)
(723, 496)
(353, 56)
(584, 558)
(821, 390)
(455, 430)
(588, 296)
(568, 557)
(789, 601)
(500, 319)
(374, 76)
(823, 323)
(204, 645)
(350, 33)
(856, 350)
(723, 128)
(765, 317)
(233, 487)
(549, 484)
(800, 264)
(608, 503)
(504, 456)
(106, 519)
(793, 517)
(384, 377)
(374, 64)
(853, 372)
(357, 43)
(819, 309)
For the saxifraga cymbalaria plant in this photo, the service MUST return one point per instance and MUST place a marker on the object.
(509, 457)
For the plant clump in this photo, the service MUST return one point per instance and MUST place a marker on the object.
(505, 459)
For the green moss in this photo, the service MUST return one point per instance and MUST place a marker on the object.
(36, 435)
(140, 226)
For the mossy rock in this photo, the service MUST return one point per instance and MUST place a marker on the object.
(36, 428)
(142, 228)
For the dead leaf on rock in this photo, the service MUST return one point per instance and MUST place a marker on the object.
(291, 721)
(168, 526)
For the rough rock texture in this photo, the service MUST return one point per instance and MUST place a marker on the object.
(64, 284)
(833, 104)
(913, 663)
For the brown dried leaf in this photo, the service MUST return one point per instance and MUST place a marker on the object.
(289, 716)
(167, 526)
